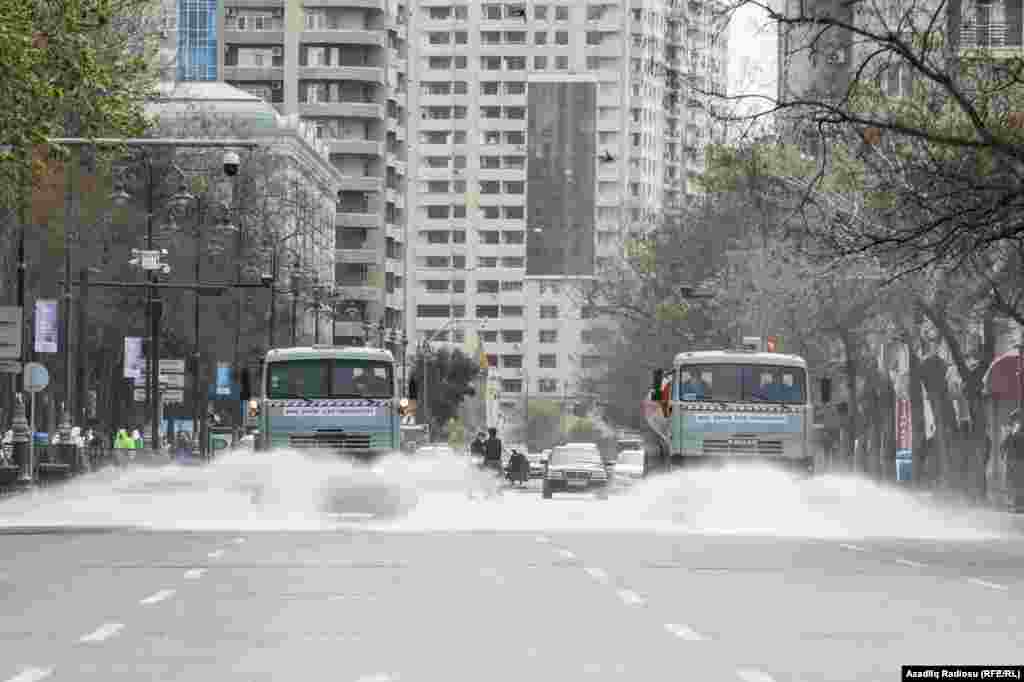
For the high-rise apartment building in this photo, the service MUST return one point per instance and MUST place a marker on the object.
(650, 64)
(336, 68)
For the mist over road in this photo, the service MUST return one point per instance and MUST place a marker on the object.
(280, 568)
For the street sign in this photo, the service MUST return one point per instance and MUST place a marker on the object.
(173, 380)
(169, 366)
(10, 367)
(10, 332)
(36, 377)
(140, 395)
(174, 396)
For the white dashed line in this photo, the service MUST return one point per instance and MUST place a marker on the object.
(566, 554)
(354, 516)
(379, 677)
(543, 540)
(216, 554)
(748, 675)
(32, 675)
(912, 564)
(683, 632)
(984, 583)
(105, 631)
(194, 573)
(855, 548)
(157, 597)
(597, 574)
(630, 597)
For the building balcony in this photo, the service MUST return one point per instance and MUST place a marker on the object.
(343, 255)
(367, 183)
(379, 5)
(356, 146)
(372, 74)
(358, 220)
(360, 291)
(346, 109)
(254, 38)
(998, 37)
(253, 73)
(345, 36)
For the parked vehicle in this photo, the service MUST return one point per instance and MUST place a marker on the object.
(577, 467)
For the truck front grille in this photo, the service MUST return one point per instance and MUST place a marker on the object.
(330, 440)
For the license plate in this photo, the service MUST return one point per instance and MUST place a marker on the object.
(577, 483)
(743, 443)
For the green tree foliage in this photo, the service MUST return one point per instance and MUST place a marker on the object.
(451, 376)
(916, 140)
(68, 61)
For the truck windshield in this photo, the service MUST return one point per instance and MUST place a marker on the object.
(330, 378)
(741, 383)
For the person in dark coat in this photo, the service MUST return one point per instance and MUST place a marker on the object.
(492, 451)
(518, 467)
(477, 448)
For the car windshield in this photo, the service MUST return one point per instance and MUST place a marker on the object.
(574, 456)
(330, 378)
(631, 458)
(741, 383)
(629, 445)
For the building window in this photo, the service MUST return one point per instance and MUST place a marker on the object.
(547, 385)
(512, 335)
(590, 362)
(562, 13)
(512, 361)
(489, 311)
(511, 311)
(512, 385)
(547, 361)
(561, 37)
(549, 312)
(562, 62)
(548, 336)
(432, 311)
(540, 63)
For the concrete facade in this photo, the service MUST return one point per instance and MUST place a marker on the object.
(653, 61)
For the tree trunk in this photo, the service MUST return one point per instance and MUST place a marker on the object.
(919, 449)
(852, 452)
(933, 375)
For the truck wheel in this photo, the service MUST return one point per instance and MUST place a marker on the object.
(545, 491)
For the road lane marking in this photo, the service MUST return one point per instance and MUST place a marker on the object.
(750, 675)
(157, 597)
(105, 631)
(913, 564)
(194, 573)
(379, 677)
(597, 574)
(566, 554)
(985, 583)
(353, 516)
(630, 597)
(543, 540)
(683, 632)
(855, 548)
(216, 554)
(32, 675)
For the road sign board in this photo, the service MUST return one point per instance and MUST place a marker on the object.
(10, 367)
(36, 377)
(140, 395)
(173, 380)
(169, 366)
(10, 332)
(174, 396)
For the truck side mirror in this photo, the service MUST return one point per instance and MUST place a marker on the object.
(245, 390)
(826, 390)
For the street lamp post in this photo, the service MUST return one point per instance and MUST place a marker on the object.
(295, 302)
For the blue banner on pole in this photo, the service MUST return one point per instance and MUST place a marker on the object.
(224, 388)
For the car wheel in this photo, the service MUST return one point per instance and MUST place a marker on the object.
(545, 491)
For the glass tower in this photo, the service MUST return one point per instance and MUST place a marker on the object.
(197, 40)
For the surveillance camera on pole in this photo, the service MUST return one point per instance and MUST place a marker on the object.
(231, 163)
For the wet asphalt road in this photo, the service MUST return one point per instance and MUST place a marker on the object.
(359, 604)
